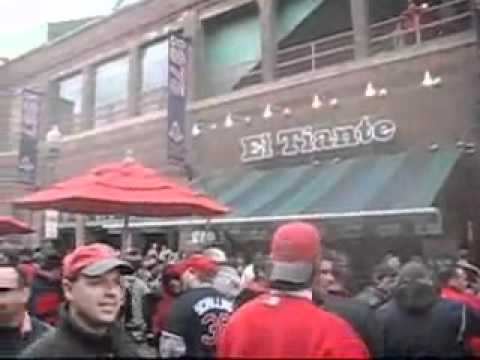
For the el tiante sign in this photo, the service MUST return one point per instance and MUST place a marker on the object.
(307, 139)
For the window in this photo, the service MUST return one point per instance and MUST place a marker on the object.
(111, 82)
(71, 89)
(155, 66)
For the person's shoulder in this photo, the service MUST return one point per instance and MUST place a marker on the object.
(40, 325)
(126, 346)
(251, 308)
(449, 305)
(445, 307)
(39, 329)
(349, 307)
(335, 323)
(340, 332)
(45, 346)
(346, 303)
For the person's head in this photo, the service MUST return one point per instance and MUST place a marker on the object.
(342, 268)
(215, 254)
(14, 294)
(133, 257)
(416, 288)
(261, 267)
(458, 279)
(392, 260)
(450, 274)
(324, 276)
(196, 270)
(149, 262)
(25, 256)
(472, 271)
(51, 260)
(294, 249)
(240, 263)
(385, 277)
(171, 282)
(91, 284)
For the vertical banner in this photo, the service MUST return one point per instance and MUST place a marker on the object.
(177, 98)
(51, 224)
(27, 161)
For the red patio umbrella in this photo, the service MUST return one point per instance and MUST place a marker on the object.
(126, 188)
(10, 225)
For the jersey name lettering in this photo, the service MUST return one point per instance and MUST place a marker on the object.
(212, 303)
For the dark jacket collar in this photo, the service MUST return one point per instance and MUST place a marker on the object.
(69, 325)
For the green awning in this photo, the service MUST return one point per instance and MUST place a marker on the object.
(409, 180)
(382, 190)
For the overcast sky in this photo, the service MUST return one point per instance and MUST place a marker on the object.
(20, 19)
(17, 15)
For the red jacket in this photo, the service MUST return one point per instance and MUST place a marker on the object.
(471, 301)
(468, 299)
(161, 313)
(279, 326)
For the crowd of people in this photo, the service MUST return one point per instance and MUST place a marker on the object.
(295, 302)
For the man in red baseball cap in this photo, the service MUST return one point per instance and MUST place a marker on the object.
(198, 314)
(285, 323)
(93, 293)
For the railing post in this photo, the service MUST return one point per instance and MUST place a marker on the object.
(418, 31)
(134, 80)
(361, 27)
(312, 48)
(475, 6)
(268, 22)
(88, 99)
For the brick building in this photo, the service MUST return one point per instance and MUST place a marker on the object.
(339, 110)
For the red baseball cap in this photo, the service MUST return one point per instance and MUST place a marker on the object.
(93, 260)
(293, 251)
(199, 263)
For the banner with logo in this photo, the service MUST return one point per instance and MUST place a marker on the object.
(178, 50)
(51, 224)
(27, 161)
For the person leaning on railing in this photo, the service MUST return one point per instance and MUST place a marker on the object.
(409, 23)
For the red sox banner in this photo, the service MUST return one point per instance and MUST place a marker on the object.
(27, 161)
(177, 98)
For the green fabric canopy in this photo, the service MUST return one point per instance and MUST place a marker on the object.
(368, 183)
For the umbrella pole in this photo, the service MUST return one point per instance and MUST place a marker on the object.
(126, 236)
(79, 230)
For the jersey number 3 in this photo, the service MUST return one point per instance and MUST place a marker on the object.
(214, 324)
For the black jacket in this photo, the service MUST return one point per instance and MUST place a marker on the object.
(13, 342)
(373, 296)
(69, 340)
(433, 331)
(360, 317)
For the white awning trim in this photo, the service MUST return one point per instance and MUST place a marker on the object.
(432, 211)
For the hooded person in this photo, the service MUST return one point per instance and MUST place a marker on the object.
(93, 293)
(285, 323)
(198, 314)
(417, 311)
